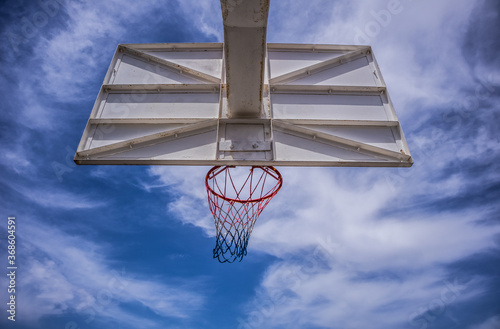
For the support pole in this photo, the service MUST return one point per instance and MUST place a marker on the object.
(245, 29)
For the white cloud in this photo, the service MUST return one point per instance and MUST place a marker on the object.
(73, 56)
(190, 205)
(70, 274)
(316, 213)
(298, 295)
(333, 212)
(64, 61)
(331, 217)
(53, 198)
(351, 216)
(491, 323)
(206, 16)
(419, 58)
(373, 270)
(16, 159)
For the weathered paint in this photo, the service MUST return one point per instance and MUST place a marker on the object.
(324, 106)
(245, 29)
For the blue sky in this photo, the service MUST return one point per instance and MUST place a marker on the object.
(131, 247)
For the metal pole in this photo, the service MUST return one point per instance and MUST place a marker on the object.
(245, 29)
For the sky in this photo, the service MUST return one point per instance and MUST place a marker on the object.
(340, 248)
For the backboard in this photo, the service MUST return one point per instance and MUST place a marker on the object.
(167, 104)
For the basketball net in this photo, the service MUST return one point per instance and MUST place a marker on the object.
(236, 203)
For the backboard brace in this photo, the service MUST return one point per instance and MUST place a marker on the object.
(244, 102)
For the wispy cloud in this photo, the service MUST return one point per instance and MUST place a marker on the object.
(58, 64)
(53, 198)
(414, 54)
(297, 295)
(351, 248)
(491, 323)
(358, 225)
(206, 14)
(373, 268)
(88, 285)
(189, 204)
(16, 159)
(76, 55)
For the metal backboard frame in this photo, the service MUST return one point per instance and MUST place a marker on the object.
(167, 104)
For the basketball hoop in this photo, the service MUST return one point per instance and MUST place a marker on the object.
(236, 203)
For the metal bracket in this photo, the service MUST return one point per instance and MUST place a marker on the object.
(244, 146)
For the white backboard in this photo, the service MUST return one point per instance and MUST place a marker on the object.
(166, 104)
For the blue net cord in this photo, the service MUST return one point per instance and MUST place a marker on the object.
(235, 216)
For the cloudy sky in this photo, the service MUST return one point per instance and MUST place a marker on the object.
(131, 247)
